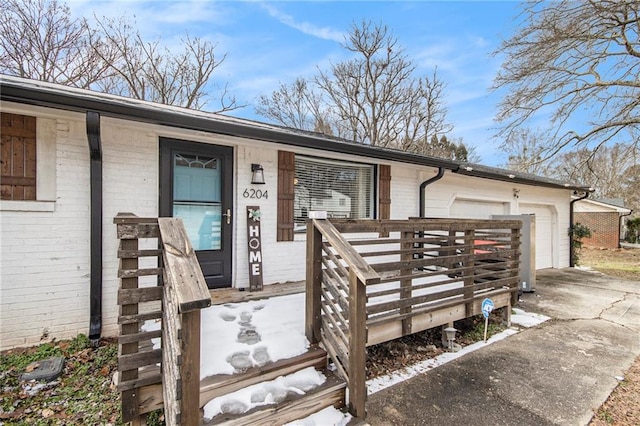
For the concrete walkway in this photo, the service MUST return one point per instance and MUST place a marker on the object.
(555, 374)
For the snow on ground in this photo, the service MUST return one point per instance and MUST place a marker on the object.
(329, 416)
(527, 319)
(236, 336)
(271, 392)
(520, 317)
(382, 382)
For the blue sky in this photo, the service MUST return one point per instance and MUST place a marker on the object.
(271, 42)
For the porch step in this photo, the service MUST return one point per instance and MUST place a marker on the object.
(330, 393)
(215, 386)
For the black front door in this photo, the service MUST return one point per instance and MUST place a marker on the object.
(196, 184)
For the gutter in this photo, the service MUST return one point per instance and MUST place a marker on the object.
(72, 100)
(95, 295)
(586, 194)
(423, 186)
(620, 226)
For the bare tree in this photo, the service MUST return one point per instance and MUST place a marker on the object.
(574, 59)
(295, 105)
(453, 150)
(39, 40)
(525, 148)
(150, 71)
(612, 170)
(373, 98)
(375, 95)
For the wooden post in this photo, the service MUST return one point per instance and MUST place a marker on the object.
(469, 272)
(405, 284)
(357, 346)
(506, 314)
(313, 283)
(515, 264)
(185, 293)
(190, 368)
(129, 397)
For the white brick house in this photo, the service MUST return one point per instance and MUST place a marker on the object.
(152, 160)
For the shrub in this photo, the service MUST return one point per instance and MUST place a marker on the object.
(577, 232)
(633, 230)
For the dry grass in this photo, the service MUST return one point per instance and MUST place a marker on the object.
(623, 406)
(620, 263)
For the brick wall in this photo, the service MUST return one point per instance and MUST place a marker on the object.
(604, 228)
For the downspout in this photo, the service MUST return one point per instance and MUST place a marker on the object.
(423, 186)
(620, 226)
(95, 295)
(571, 260)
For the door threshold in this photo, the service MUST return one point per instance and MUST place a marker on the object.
(235, 295)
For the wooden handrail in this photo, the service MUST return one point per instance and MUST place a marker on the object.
(360, 274)
(183, 271)
(177, 299)
(185, 293)
(356, 262)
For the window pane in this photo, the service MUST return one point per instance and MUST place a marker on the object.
(342, 189)
(203, 223)
(196, 199)
(196, 178)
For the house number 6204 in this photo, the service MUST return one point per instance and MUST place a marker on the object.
(255, 193)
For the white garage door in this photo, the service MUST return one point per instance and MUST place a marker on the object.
(544, 233)
(474, 209)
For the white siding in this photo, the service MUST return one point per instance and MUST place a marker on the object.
(483, 197)
(477, 209)
(44, 274)
(44, 277)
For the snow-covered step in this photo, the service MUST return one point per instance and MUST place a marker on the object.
(299, 403)
(215, 386)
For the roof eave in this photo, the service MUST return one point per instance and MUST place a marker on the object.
(505, 176)
(12, 92)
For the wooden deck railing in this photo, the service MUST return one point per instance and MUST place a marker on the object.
(337, 277)
(364, 289)
(175, 300)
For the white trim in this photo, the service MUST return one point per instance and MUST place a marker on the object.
(46, 135)
(27, 206)
(605, 205)
(505, 201)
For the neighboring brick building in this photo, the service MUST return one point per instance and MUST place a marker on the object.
(603, 219)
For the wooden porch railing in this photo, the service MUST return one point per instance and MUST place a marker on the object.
(364, 289)
(176, 300)
(337, 277)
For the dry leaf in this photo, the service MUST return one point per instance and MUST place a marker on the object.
(46, 413)
(32, 367)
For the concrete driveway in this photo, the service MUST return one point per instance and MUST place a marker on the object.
(557, 373)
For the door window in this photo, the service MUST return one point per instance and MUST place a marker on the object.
(197, 199)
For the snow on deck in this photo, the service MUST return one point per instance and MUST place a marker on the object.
(236, 336)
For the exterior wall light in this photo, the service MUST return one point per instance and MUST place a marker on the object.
(257, 176)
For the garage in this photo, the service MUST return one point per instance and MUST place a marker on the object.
(544, 233)
(477, 209)
(485, 209)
